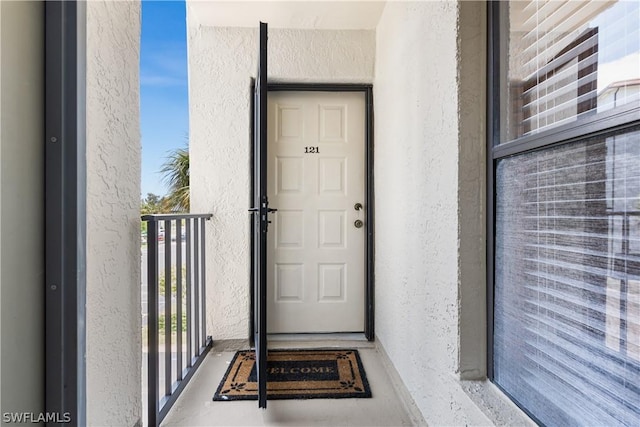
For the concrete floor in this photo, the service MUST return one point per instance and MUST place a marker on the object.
(195, 406)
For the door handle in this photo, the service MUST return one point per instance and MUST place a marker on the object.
(357, 206)
(358, 223)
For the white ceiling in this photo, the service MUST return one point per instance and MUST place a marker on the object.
(328, 15)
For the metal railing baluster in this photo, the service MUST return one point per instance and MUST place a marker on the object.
(179, 299)
(167, 307)
(203, 300)
(161, 397)
(153, 370)
(196, 285)
(189, 295)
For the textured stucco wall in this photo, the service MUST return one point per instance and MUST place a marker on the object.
(221, 63)
(113, 214)
(429, 202)
(21, 206)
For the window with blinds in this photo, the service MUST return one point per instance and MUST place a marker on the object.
(567, 281)
(568, 59)
(566, 213)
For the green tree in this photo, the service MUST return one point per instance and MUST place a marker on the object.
(175, 173)
(153, 204)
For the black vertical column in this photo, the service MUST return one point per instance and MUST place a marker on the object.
(65, 212)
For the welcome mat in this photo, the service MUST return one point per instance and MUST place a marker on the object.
(296, 374)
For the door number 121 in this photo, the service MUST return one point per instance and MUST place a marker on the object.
(311, 150)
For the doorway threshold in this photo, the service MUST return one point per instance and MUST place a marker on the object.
(355, 340)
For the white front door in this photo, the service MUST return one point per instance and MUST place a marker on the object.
(315, 273)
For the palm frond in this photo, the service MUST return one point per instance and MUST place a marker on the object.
(175, 173)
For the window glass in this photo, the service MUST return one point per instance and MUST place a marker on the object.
(567, 281)
(565, 60)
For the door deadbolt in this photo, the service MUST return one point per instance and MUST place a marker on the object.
(358, 223)
(357, 206)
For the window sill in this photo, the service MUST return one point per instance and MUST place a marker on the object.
(495, 404)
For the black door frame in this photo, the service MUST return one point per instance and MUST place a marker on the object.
(367, 90)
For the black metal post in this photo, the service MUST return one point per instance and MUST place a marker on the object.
(196, 285)
(203, 283)
(153, 372)
(189, 295)
(167, 307)
(179, 300)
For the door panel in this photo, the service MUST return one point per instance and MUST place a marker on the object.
(315, 277)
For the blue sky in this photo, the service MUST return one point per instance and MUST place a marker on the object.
(164, 110)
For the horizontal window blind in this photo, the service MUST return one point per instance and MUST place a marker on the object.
(567, 281)
(568, 59)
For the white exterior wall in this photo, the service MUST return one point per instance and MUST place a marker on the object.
(113, 214)
(416, 174)
(21, 206)
(429, 186)
(221, 63)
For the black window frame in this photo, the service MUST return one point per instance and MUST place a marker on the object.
(592, 125)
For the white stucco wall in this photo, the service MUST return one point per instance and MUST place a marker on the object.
(221, 63)
(429, 186)
(21, 207)
(113, 214)
(416, 175)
